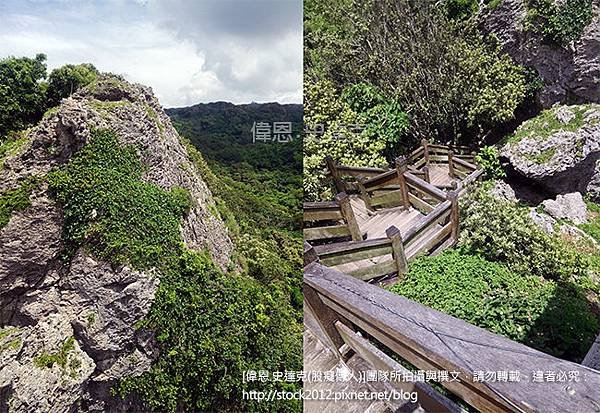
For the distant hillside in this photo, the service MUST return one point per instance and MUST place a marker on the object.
(222, 132)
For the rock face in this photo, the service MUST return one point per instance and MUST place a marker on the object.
(570, 73)
(83, 312)
(562, 157)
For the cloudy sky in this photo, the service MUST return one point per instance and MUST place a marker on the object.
(189, 51)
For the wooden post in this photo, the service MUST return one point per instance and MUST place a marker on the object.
(426, 176)
(344, 200)
(450, 164)
(452, 196)
(325, 317)
(310, 255)
(339, 184)
(364, 195)
(394, 235)
(425, 145)
(401, 169)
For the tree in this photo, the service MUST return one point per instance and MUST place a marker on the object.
(22, 92)
(453, 83)
(65, 80)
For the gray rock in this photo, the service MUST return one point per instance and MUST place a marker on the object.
(570, 73)
(502, 190)
(544, 221)
(569, 206)
(561, 158)
(46, 301)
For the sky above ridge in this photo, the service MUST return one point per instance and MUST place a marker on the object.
(188, 51)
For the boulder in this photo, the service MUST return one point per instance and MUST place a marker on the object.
(544, 221)
(561, 157)
(570, 207)
(570, 72)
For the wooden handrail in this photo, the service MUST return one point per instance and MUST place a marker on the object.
(464, 163)
(321, 205)
(427, 220)
(425, 186)
(431, 340)
(380, 179)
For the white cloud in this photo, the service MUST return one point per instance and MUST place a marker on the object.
(184, 63)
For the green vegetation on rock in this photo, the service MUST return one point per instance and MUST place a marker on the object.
(60, 358)
(561, 22)
(15, 200)
(549, 316)
(547, 123)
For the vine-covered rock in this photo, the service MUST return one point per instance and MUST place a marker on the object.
(559, 149)
(71, 296)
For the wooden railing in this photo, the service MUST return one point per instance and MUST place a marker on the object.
(434, 231)
(354, 313)
(330, 220)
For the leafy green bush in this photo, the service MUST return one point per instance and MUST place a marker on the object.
(211, 328)
(502, 231)
(384, 117)
(323, 106)
(488, 159)
(561, 22)
(549, 316)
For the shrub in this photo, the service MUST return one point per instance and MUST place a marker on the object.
(323, 106)
(111, 211)
(488, 159)
(561, 22)
(549, 316)
(502, 231)
(65, 80)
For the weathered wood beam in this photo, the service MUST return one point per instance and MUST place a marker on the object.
(335, 176)
(398, 255)
(344, 200)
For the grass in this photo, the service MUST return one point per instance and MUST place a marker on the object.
(60, 358)
(11, 145)
(543, 157)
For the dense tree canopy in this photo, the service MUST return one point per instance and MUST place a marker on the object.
(65, 80)
(25, 93)
(22, 92)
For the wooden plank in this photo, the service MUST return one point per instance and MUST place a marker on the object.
(423, 186)
(334, 231)
(332, 260)
(415, 154)
(431, 340)
(428, 241)
(325, 317)
(439, 212)
(419, 203)
(335, 176)
(350, 246)
(322, 214)
(344, 200)
(420, 163)
(320, 205)
(428, 398)
(376, 270)
(359, 170)
(392, 198)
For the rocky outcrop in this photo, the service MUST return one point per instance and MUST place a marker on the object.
(559, 150)
(68, 327)
(570, 72)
